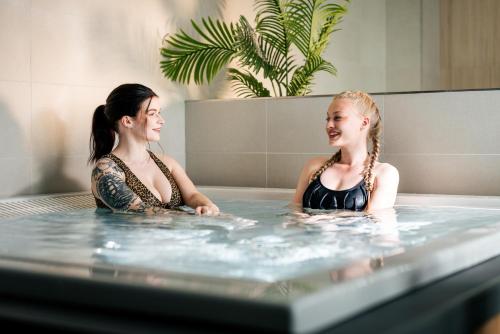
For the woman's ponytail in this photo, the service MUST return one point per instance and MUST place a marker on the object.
(102, 137)
(124, 100)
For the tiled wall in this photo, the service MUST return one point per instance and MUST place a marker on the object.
(443, 142)
(59, 60)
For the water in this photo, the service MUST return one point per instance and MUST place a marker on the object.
(256, 240)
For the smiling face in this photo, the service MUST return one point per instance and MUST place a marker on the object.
(344, 123)
(149, 120)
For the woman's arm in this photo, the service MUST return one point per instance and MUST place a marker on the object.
(191, 196)
(108, 184)
(385, 188)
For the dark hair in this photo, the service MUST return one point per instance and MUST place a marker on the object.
(124, 100)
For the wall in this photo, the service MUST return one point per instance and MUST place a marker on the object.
(357, 50)
(413, 45)
(61, 58)
(470, 53)
(442, 143)
(59, 61)
(382, 46)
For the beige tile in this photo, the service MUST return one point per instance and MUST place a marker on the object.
(62, 173)
(283, 170)
(451, 122)
(297, 125)
(431, 48)
(62, 118)
(226, 126)
(96, 42)
(61, 49)
(173, 135)
(15, 39)
(89, 7)
(15, 176)
(403, 45)
(352, 76)
(66, 7)
(15, 119)
(439, 174)
(227, 169)
(360, 65)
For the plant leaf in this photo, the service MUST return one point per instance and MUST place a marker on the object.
(246, 85)
(302, 77)
(310, 23)
(255, 53)
(274, 39)
(186, 58)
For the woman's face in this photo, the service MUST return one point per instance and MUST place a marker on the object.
(150, 120)
(344, 123)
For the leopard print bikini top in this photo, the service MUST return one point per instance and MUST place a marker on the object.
(141, 190)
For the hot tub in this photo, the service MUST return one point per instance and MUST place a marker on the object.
(259, 267)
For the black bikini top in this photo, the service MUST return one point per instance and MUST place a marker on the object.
(317, 196)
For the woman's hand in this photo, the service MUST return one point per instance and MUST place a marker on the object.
(191, 196)
(207, 210)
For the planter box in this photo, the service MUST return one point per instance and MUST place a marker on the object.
(441, 142)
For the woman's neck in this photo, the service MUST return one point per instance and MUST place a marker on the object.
(354, 155)
(131, 151)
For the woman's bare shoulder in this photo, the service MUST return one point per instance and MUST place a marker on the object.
(384, 169)
(316, 163)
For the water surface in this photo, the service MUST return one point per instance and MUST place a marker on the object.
(253, 239)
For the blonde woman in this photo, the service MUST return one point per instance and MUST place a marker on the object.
(353, 178)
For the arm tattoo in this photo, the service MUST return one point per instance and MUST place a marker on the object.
(114, 191)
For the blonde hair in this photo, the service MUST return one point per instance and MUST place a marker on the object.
(365, 104)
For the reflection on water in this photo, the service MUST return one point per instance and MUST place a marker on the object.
(256, 240)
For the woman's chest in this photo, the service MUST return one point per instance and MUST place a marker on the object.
(155, 181)
(339, 179)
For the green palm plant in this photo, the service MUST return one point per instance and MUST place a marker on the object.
(265, 48)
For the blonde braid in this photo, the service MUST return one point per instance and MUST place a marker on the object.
(328, 163)
(374, 135)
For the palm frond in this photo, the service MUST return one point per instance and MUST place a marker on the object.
(248, 47)
(299, 20)
(265, 49)
(256, 53)
(186, 58)
(303, 76)
(270, 24)
(246, 85)
(310, 23)
(332, 15)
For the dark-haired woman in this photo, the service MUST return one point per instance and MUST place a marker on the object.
(353, 178)
(129, 177)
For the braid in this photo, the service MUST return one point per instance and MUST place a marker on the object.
(328, 163)
(374, 135)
